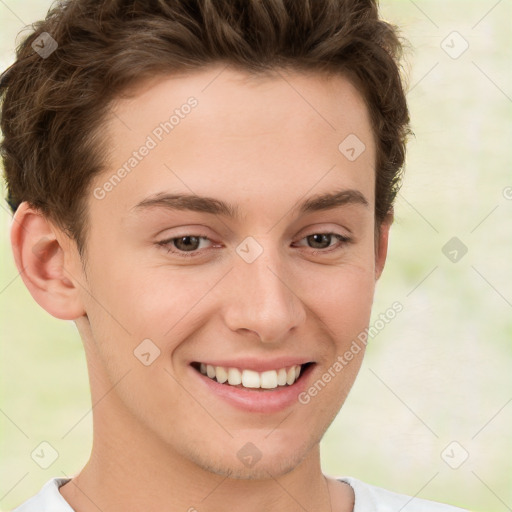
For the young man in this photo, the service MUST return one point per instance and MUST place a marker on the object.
(206, 188)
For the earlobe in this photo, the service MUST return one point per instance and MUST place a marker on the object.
(40, 259)
(382, 244)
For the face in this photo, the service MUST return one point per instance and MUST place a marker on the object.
(258, 279)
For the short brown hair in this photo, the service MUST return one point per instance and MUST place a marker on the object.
(53, 107)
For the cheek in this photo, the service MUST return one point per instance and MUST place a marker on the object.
(134, 302)
(342, 298)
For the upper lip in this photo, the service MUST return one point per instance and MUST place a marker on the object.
(257, 364)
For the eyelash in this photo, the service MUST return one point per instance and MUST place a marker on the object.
(167, 244)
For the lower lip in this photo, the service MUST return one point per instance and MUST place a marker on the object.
(258, 400)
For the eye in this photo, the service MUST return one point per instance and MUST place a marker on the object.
(322, 241)
(186, 246)
(189, 246)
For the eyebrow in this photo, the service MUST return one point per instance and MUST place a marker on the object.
(204, 204)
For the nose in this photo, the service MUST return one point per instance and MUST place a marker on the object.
(262, 299)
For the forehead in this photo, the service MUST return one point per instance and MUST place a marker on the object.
(231, 100)
(223, 132)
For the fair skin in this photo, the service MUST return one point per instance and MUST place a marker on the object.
(165, 436)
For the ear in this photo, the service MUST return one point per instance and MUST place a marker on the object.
(381, 243)
(46, 262)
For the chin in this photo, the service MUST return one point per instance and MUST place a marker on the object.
(262, 470)
(273, 462)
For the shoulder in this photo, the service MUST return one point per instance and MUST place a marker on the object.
(48, 499)
(370, 497)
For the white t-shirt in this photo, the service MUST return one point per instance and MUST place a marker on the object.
(368, 498)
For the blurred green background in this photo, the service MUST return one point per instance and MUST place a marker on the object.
(439, 373)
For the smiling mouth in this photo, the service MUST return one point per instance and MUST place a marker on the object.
(250, 379)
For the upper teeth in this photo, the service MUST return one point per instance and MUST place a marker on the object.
(251, 379)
